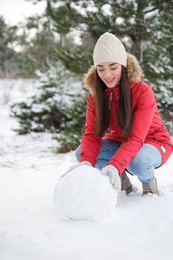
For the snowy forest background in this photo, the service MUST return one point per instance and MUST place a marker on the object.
(55, 51)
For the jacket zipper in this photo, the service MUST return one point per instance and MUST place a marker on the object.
(110, 99)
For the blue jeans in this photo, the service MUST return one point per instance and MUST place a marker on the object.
(142, 165)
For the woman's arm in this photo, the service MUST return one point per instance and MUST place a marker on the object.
(90, 144)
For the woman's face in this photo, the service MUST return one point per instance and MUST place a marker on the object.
(110, 73)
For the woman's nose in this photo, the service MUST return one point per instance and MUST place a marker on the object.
(107, 73)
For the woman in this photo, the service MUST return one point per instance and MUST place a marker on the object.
(123, 128)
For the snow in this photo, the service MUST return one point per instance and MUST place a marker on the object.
(83, 193)
(139, 227)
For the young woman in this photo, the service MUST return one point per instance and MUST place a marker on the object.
(123, 128)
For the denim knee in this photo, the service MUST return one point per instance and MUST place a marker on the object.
(144, 163)
(142, 168)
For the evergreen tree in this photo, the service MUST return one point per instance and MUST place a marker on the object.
(8, 37)
(69, 137)
(37, 44)
(44, 110)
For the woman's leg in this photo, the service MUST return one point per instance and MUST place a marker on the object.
(107, 150)
(144, 162)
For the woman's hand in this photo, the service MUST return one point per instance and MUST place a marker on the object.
(113, 174)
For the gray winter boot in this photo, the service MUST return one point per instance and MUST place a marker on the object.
(126, 183)
(150, 187)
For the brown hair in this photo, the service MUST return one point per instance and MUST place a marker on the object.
(124, 111)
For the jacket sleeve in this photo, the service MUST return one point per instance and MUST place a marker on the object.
(142, 118)
(90, 144)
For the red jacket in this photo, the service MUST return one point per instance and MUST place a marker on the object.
(147, 123)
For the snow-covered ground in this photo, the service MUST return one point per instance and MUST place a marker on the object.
(140, 228)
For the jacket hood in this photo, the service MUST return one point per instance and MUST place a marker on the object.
(134, 73)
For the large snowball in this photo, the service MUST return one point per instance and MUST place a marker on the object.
(84, 194)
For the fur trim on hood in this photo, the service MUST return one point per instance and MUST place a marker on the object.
(134, 73)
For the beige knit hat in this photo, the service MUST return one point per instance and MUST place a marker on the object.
(109, 48)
